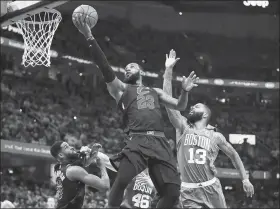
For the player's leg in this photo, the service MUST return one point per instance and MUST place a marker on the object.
(192, 198)
(168, 190)
(130, 165)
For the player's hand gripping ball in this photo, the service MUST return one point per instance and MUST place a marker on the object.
(91, 153)
(83, 16)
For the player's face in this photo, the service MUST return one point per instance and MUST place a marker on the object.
(68, 151)
(196, 113)
(132, 73)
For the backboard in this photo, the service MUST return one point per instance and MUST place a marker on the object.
(24, 9)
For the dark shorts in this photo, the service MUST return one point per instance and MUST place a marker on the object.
(156, 199)
(205, 197)
(150, 151)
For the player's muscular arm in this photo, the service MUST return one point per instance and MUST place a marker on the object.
(232, 154)
(174, 116)
(114, 85)
(172, 103)
(77, 173)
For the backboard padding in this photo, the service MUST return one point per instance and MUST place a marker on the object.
(12, 17)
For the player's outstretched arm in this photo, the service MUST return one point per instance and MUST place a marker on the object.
(236, 161)
(181, 103)
(77, 173)
(174, 116)
(114, 85)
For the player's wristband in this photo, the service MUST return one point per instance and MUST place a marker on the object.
(101, 60)
(245, 181)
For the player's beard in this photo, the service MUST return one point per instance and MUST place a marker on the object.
(132, 79)
(194, 117)
(73, 157)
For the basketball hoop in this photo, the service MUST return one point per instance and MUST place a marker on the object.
(38, 31)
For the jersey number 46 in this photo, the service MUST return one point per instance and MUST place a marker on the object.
(141, 200)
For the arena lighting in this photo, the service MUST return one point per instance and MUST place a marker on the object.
(75, 118)
(180, 13)
(80, 74)
(277, 69)
(208, 81)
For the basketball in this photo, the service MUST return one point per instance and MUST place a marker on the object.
(89, 13)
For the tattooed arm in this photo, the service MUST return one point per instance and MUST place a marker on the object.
(236, 161)
(175, 117)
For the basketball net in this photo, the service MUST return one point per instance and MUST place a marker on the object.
(38, 31)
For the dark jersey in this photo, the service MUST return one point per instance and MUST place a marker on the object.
(138, 195)
(141, 109)
(70, 194)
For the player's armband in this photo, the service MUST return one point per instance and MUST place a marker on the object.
(101, 60)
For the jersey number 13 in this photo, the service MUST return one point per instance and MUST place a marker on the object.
(197, 156)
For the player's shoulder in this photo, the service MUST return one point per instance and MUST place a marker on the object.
(218, 134)
(74, 171)
(219, 137)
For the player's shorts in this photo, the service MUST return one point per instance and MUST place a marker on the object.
(203, 197)
(146, 150)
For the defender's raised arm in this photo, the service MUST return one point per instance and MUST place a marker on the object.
(236, 161)
(175, 117)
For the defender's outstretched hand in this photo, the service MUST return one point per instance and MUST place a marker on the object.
(190, 82)
(171, 59)
(81, 24)
(248, 188)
